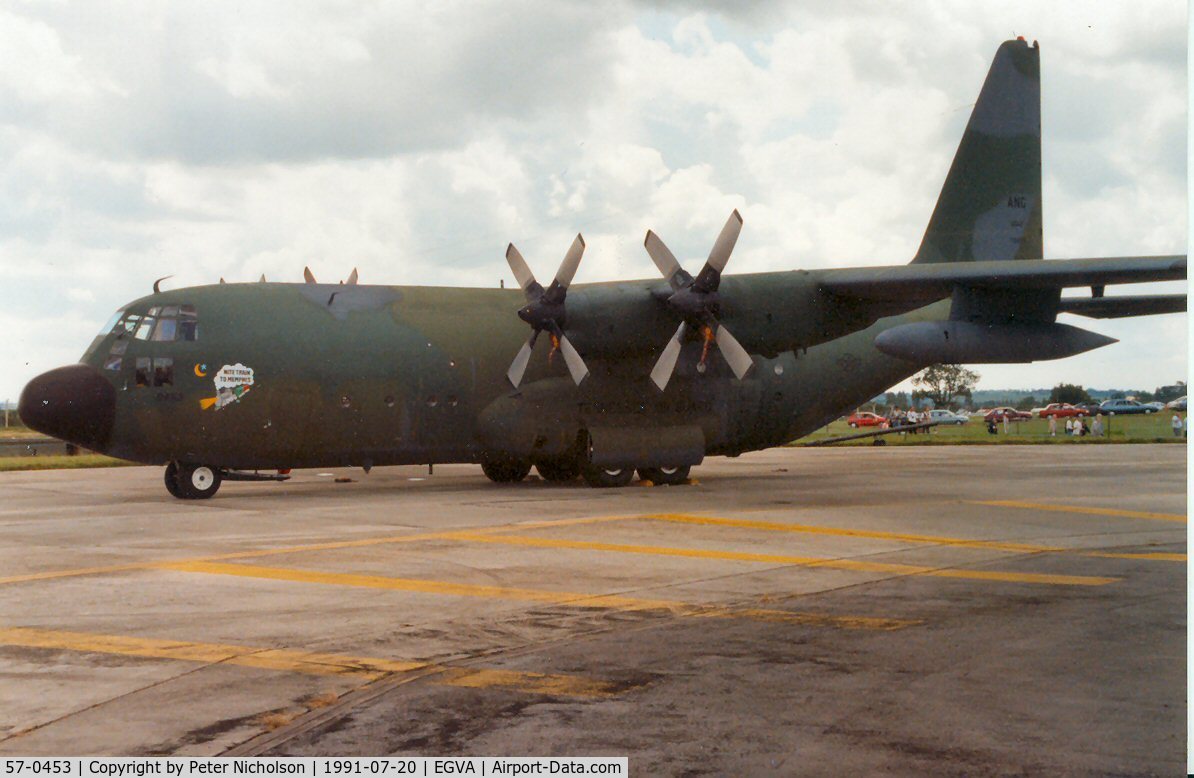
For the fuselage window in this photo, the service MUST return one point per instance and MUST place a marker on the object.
(113, 363)
(143, 368)
(119, 346)
(163, 371)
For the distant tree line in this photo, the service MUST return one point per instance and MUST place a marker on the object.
(953, 387)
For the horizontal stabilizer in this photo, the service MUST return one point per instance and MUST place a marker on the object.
(964, 342)
(1124, 305)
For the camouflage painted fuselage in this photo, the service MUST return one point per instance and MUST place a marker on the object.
(372, 375)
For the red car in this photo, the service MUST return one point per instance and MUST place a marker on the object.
(1062, 409)
(866, 419)
(997, 414)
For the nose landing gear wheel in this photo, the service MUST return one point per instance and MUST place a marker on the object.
(606, 477)
(665, 476)
(192, 482)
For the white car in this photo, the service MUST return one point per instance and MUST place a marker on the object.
(942, 416)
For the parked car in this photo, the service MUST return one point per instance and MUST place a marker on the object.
(1123, 407)
(1177, 405)
(1156, 406)
(997, 414)
(866, 419)
(1061, 410)
(943, 416)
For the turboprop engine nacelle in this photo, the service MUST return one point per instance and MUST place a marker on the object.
(964, 342)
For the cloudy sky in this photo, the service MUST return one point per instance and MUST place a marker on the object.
(414, 140)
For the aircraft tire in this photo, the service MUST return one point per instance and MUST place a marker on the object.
(197, 482)
(171, 479)
(558, 470)
(606, 477)
(664, 476)
(506, 471)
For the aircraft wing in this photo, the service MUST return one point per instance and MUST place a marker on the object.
(928, 282)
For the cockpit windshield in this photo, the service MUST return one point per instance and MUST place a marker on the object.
(111, 323)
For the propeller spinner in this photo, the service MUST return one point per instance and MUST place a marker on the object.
(696, 300)
(545, 311)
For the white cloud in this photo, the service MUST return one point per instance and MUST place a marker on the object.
(231, 139)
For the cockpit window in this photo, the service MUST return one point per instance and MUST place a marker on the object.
(111, 322)
(163, 323)
(166, 329)
(145, 328)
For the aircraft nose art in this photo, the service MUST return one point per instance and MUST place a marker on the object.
(73, 403)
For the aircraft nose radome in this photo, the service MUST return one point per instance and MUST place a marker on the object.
(73, 403)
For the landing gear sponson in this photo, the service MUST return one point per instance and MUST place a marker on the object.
(565, 470)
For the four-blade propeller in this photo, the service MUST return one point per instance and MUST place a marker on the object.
(696, 300)
(545, 311)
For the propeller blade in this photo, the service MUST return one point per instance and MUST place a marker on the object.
(352, 278)
(308, 276)
(571, 262)
(710, 275)
(522, 273)
(736, 356)
(662, 372)
(576, 365)
(519, 366)
(663, 258)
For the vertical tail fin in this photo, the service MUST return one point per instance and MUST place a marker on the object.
(990, 205)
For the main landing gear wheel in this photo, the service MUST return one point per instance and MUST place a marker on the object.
(606, 477)
(192, 482)
(664, 476)
(558, 470)
(506, 471)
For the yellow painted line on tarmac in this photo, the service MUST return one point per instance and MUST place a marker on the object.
(1155, 556)
(329, 546)
(533, 683)
(784, 559)
(418, 585)
(996, 545)
(1037, 506)
(574, 599)
(303, 662)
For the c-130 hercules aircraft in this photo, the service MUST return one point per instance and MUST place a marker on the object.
(217, 381)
